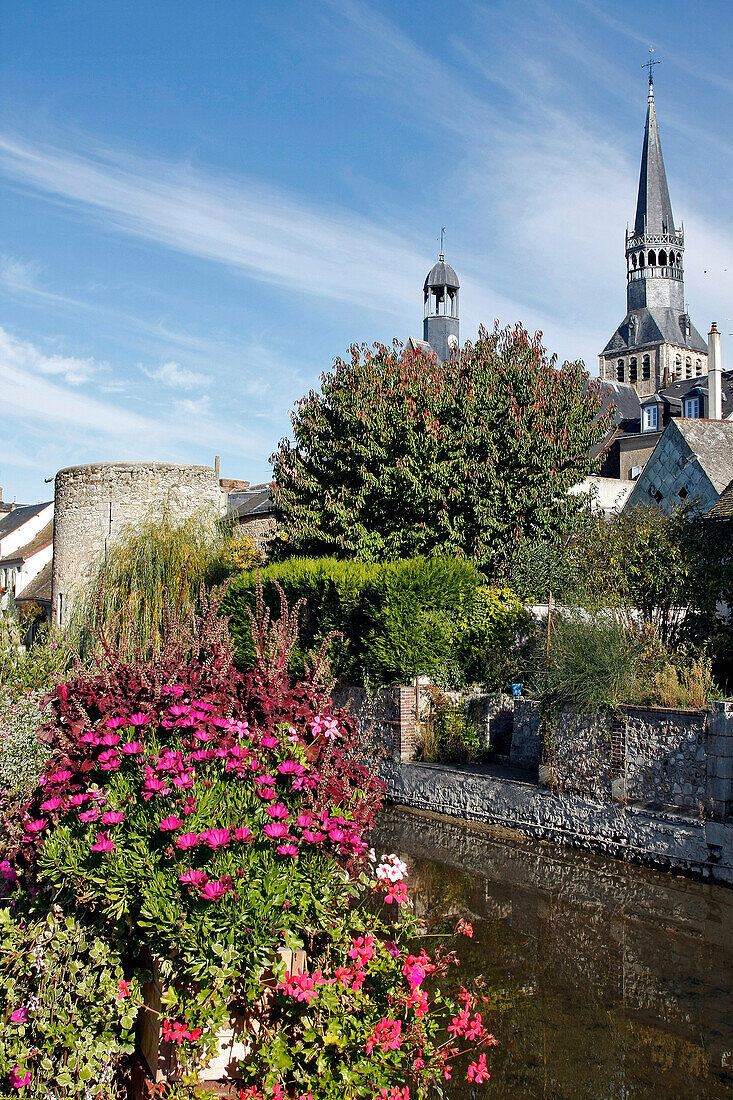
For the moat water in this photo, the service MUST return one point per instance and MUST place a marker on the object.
(613, 982)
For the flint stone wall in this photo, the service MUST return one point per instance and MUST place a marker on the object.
(94, 503)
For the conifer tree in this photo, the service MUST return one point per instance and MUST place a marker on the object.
(398, 454)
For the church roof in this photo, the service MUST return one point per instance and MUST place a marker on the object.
(653, 207)
(654, 325)
(711, 441)
(624, 398)
(442, 274)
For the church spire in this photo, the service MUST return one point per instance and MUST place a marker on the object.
(653, 208)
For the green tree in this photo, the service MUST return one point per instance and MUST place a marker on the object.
(398, 454)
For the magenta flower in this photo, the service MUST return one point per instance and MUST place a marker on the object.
(170, 824)
(275, 830)
(59, 777)
(115, 723)
(78, 800)
(37, 826)
(269, 742)
(89, 815)
(174, 689)
(312, 836)
(90, 738)
(336, 835)
(110, 739)
(131, 748)
(193, 878)
(109, 761)
(139, 719)
(291, 767)
(102, 843)
(113, 817)
(189, 805)
(216, 838)
(178, 709)
(187, 840)
(266, 793)
(304, 821)
(156, 786)
(8, 872)
(287, 849)
(18, 1079)
(243, 834)
(19, 1016)
(278, 812)
(212, 891)
(203, 735)
(51, 804)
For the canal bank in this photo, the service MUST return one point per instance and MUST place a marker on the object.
(669, 839)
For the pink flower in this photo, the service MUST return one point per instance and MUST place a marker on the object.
(59, 777)
(113, 817)
(186, 840)
(132, 748)
(19, 1016)
(287, 850)
(336, 835)
(18, 1079)
(397, 892)
(275, 830)
(243, 834)
(174, 689)
(304, 820)
(89, 815)
(216, 838)
(477, 1071)
(51, 804)
(115, 723)
(178, 709)
(212, 891)
(464, 928)
(278, 812)
(102, 843)
(170, 824)
(78, 799)
(266, 793)
(90, 738)
(291, 767)
(193, 878)
(387, 1035)
(8, 873)
(37, 826)
(109, 739)
(139, 719)
(123, 989)
(313, 837)
(109, 761)
(269, 742)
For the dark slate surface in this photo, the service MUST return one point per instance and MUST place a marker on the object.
(442, 274)
(655, 325)
(653, 207)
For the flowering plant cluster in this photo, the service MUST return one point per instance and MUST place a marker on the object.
(200, 821)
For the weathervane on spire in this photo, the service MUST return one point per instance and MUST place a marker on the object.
(650, 66)
(442, 235)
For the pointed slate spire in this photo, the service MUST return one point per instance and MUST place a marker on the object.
(653, 208)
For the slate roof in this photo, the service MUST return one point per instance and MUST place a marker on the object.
(654, 325)
(43, 538)
(626, 400)
(39, 588)
(441, 274)
(255, 501)
(20, 515)
(653, 207)
(724, 508)
(712, 442)
(673, 394)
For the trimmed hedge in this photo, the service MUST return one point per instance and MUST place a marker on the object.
(421, 616)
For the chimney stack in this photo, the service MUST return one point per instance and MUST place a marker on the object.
(715, 377)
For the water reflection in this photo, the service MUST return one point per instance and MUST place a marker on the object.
(618, 980)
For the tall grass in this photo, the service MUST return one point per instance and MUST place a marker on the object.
(161, 554)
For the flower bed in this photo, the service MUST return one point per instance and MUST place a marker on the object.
(202, 824)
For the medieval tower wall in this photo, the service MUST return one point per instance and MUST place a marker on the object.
(94, 503)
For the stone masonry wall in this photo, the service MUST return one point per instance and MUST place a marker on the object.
(93, 503)
(525, 750)
(386, 719)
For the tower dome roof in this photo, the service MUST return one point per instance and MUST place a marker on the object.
(442, 274)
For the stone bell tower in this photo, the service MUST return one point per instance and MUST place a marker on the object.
(656, 343)
(440, 327)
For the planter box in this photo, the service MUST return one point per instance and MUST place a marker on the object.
(157, 1057)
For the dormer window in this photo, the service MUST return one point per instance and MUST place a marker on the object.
(691, 408)
(649, 418)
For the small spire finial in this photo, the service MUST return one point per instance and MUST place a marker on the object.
(442, 235)
(650, 66)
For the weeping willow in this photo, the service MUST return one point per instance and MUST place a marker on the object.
(160, 558)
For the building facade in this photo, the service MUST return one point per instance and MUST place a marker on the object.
(656, 344)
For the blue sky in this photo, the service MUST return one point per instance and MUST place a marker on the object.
(203, 203)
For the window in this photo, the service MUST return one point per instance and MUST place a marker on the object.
(646, 368)
(652, 258)
(635, 471)
(678, 366)
(691, 408)
(662, 258)
(698, 367)
(620, 372)
(688, 368)
(683, 494)
(633, 372)
(650, 418)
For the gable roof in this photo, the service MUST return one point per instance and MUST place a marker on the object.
(11, 521)
(255, 501)
(39, 588)
(43, 538)
(724, 508)
(674, 393)
(712, 442)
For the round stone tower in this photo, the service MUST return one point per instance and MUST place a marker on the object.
(94, 503)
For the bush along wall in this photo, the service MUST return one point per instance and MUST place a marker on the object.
(421, 616)
(191, 823)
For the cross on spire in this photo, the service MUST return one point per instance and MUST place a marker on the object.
(650, 66)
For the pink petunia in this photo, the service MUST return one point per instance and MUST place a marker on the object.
(113, 817)
(170, 824)
(275, 830)
(216, 838)
(102, 843)
(187, 840)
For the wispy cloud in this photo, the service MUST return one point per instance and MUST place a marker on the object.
(177, 377)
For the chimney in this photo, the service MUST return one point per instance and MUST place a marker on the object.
(715, 377)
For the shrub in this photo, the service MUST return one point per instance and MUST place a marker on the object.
(31, 668)
(422, 616)
(22, 756)
(69, 1015)
(448, 733)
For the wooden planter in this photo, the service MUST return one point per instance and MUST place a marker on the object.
(157, 1057)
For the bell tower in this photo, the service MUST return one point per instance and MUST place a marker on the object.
(440, 292)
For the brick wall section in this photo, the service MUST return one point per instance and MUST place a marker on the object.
(406, 732)
(385, 719)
